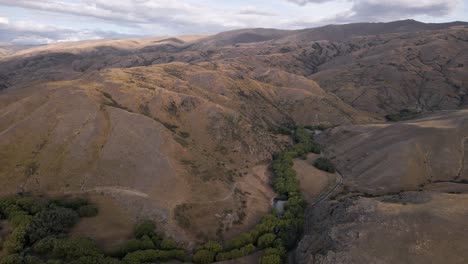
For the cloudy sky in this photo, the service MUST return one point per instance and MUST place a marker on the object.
(49, 21)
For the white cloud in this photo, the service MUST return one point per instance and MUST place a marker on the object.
(4, 21)
(170, 17)
(33, 33)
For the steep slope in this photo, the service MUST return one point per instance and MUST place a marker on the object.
(409, 228)
(403, 198)
(422, 153)
(169, 141)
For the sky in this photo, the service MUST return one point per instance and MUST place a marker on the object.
(36, 22)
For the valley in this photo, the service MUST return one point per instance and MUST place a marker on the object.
(188, 132)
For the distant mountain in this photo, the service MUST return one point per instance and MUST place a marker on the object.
(10, 50)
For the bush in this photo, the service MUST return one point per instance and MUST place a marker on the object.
(240, 241)
(144, 243)
(16, 240)
(89, 210)
(266, 240)
(138, 257)
(168, 244)
(32, 260)
(51, 222)
(146, 227)
(402, 115)
(12, 259)
(213, 246)
(70, 203)
(203, 257)
(67, 248)
(95, 260)
(270, 259)
(325, 165)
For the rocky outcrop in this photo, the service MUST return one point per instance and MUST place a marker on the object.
(419, 227)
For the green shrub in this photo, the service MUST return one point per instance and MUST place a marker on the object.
(270, 259)
(279, 250)
(240, 241)
(213, 246)
(144, 243)
(138, 257)
(51, 222)
(12, 259)
(67, 248)
(266, 240)
(402, 115)
(70, 203)
(16, 240)
(94, 260)
(203, 257)
(325, 165)
(168, 244)
(146, 227)
(32, 260)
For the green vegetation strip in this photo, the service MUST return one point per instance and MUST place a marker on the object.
(40, 227)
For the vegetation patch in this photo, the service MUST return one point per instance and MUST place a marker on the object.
(40, 235)
(404, 114)
(112, 103)
(325, 165)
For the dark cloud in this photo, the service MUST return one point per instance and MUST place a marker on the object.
(371, 10)
(378, 10)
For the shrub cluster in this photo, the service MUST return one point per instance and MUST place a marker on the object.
(148, 246)
(40, 228)
(325, 165)
(402, 115)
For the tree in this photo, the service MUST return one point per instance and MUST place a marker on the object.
(51, 222)
(16, 241)
(203, 257)
(266, 240)
(168, 244)
(213, 246)
(12, 259)
(70, 203)
(146, 227)
(325, 165)
(270, 259)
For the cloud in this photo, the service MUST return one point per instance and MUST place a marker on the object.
(173, 15)
(33, 33)
(4, 21)
(250, 10)
(305, 2)
(170, 17)
(373, 10)
(378, 10)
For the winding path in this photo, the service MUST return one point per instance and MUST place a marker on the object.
(110, 189)
(462, 160)
(327, 194)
